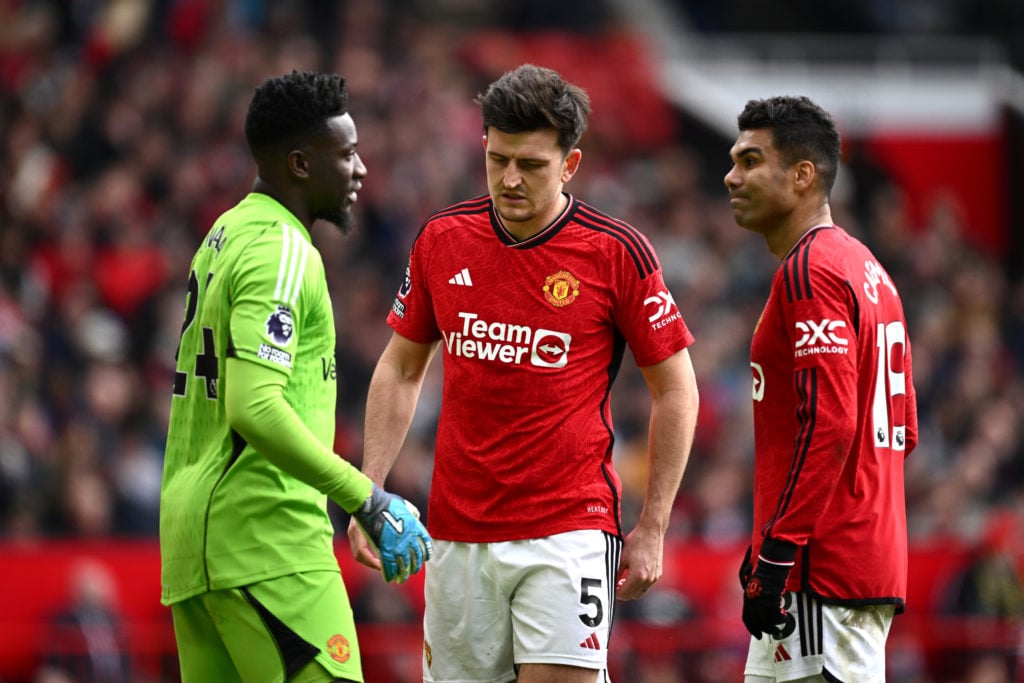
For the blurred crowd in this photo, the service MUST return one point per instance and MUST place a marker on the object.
(121, 142)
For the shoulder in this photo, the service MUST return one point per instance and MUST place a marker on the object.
(458, 214)
(617, 238)
(824, 260)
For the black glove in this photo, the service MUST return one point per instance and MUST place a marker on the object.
(763, 610)
(746, 569)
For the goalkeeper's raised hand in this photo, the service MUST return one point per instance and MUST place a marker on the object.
(397, 534)
(763, 610)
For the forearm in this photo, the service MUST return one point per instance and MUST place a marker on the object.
(673, 421)
(828, 430)
(257, 410)
(672, 425)
(391, 403)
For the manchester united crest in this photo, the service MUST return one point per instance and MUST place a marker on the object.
(561, 289)
(339, 649)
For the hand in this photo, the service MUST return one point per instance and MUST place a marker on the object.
(396, 532)
(763, 610)
(640, 565)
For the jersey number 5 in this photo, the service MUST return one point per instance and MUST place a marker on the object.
(588, 598)
(890, 387)
(206, 365)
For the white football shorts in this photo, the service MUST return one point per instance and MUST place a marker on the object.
(837, 644)
(493, 606)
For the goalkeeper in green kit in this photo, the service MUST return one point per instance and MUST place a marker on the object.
(248, 564)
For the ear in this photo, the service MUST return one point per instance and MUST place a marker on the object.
(483, 141)
(572, 164)
(298, 164)
(804, 175)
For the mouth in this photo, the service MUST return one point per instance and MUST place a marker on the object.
(736, 200)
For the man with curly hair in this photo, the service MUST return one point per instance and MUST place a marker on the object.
(248, 562)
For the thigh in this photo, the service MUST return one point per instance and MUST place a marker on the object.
(855, 642)
(564, 601)
(556, 673)
(467, 632)
(202, 655)
(824, 643)
(274, 629)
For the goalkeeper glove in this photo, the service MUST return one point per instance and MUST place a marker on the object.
(401, 540)
(763, 610)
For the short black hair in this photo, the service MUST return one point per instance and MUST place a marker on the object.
(286, 111)
(531, 98)
(801, 130)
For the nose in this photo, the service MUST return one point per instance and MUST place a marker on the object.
(359, 171)
(731, 179)
(512, 177)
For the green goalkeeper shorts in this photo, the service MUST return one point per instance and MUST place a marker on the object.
(296, 628)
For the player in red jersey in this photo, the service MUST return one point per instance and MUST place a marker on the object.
(834, 414)
(532, 297)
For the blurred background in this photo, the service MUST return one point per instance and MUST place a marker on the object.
(121, 141)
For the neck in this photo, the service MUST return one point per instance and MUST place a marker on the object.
(524, 230)
(297, 208)
(781, 241)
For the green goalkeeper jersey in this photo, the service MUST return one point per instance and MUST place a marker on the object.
(229, 516)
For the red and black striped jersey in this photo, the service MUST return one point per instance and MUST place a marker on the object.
(532, 335)
(834, 417)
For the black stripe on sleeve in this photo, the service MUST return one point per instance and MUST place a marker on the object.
(807, 389)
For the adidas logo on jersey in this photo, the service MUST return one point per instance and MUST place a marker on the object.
(781, 654)
(591, 643)
(461, 278)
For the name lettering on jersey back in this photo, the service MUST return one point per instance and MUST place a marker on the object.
(509, 343)
(815, 337)
(875, 275)
(216, 239)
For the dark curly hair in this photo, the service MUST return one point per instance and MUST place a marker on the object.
(531, 98)
(800, 130)
(288, 110)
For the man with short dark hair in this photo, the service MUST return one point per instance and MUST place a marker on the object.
(533, 296)
(248, 562)
(834, 414)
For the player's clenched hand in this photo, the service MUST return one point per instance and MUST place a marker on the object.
(763, 610)
(640, 566)
(396, 532)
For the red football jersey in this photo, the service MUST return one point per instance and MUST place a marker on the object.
(532, 335)
(834, 417)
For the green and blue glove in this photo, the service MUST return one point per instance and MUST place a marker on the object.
(396, 532)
